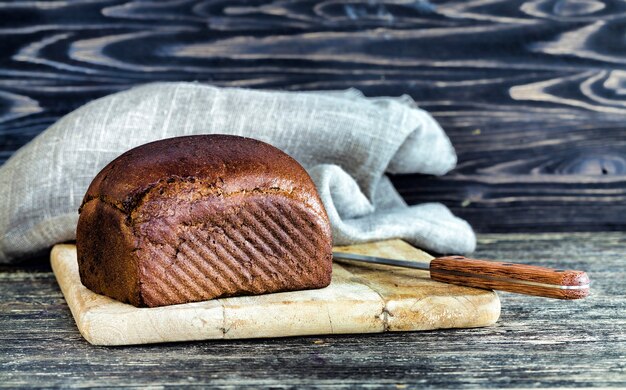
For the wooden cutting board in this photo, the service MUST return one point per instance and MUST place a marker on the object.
(360, 299)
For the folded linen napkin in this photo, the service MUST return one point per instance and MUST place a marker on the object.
(346, 142)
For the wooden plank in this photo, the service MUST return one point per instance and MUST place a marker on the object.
(531, 93)
(536, 343)
(360, 299)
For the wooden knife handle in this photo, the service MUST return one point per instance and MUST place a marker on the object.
(518, 278)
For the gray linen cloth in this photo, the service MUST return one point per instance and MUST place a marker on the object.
(346, 142)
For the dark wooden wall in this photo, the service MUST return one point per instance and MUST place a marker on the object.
(532, 93)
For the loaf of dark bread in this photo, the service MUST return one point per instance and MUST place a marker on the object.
(194, 218)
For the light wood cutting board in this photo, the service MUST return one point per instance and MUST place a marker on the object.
(360, 299)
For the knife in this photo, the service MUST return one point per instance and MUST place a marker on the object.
(492, 275)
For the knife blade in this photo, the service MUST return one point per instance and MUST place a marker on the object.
(493, 275)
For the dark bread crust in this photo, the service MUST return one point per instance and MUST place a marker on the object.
(229, 163)
(193, 218)
(106, 245)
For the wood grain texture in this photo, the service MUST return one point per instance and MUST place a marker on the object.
(536, 343)
(512, 277)
(530, 92)
(360, 299)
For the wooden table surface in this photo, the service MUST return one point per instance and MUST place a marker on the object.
(536, 343)
(530, 92)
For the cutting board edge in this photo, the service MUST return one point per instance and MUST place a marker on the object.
(88, 314)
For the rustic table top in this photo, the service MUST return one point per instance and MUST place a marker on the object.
(536, 343)
(530, 92)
